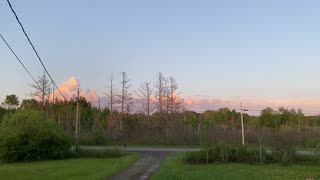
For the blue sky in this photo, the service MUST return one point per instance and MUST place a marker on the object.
(251, 49)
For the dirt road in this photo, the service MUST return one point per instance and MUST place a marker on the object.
(143, 168)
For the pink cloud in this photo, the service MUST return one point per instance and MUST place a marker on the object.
(69, 90)
(308, 105)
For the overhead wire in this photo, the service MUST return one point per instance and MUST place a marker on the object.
(34, 49)
(24, 67)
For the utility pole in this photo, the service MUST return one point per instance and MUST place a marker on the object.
(242, 127)
(77, 120)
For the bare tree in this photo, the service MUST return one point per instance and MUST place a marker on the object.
(175, 102)
(146, 94)
(124, 97)
(160, 100)
(111, 95)
(167, 106)
(42, 88)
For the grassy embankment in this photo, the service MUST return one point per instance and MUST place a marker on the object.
(173, 167)
(75, 169)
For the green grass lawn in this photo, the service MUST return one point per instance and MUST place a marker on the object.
(82, 168)
(174, 168)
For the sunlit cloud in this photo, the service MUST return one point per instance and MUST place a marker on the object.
(69, 90)
(201, 103)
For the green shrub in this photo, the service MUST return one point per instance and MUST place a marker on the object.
(317, 149)
(250, 155)
(311, 141)
(110, 153)
(27, 136)
(197, 157)
(307, 159)
(283, 154)
(221, 152)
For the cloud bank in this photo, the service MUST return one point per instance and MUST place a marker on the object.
(200, 104)
(69, 90)
(308, 105)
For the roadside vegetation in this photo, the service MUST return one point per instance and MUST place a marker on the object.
(224, 153)
(26, 136)
(28, 141)
(175, 167)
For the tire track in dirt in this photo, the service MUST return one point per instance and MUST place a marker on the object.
(143, 167)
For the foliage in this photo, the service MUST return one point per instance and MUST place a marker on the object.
(282, 151)
(30, 104)
(26, 136)
(311, 141)
(269, 118)
(307, 159)
(190, 128)
(112, 153)
(3, 111)
(221, 152)
(97, 137)
(11, 102)
(317, 149)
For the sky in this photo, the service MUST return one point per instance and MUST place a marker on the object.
(263, 53)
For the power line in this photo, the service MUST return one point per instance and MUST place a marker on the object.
(25, 68)
(34, 49)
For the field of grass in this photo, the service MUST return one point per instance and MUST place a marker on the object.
(75, 169)
(174, 168)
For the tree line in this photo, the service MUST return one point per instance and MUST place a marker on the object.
(160, 113)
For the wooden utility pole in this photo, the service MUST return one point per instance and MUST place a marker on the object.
(242, 129)
(77, 120)
(242, 126)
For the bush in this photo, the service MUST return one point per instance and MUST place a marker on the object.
(317, 149)
(221, 152)
(311, 141)
(251, 155)
(110, 153)
(307, 159)
(283, 152)
(26, 136)
(197, 157)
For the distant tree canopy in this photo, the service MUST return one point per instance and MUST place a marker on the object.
(160, 113)
(11, 102)
(282, 117)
